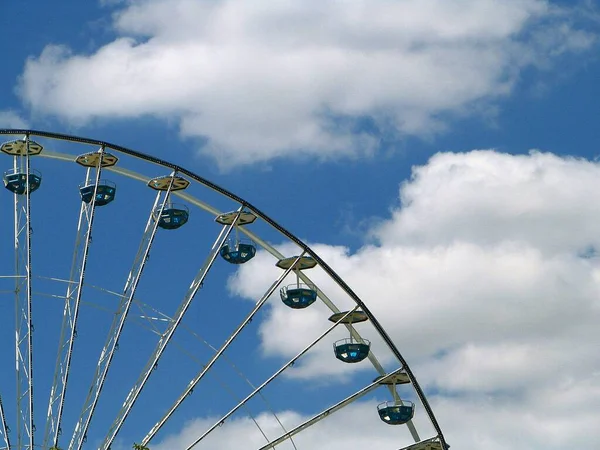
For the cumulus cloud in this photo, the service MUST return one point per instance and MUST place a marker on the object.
(362, 429)
(258, 80)
(486, 276)
(11, 119)
(564, 419)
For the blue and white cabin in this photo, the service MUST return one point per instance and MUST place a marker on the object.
(396, 413)
(298, 296)
(351, 351)
(15, 180)
(172, 216)
(238, 251)
(104, 194)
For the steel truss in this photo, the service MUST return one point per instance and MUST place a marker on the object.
(23, 306)
(24, 313)
(4, 428)
(80, 433)
(167, 335)
(68, 331)
(192, 384)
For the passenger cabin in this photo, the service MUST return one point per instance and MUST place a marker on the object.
(15, 180)
(237, 250)
(351, 350)
(298, 295)
(105, 193)
(396, 413)
(172, 216)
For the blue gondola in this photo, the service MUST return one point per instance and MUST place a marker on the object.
(15, 180)
(396, 413)
(351, 351)
(173, 216)
(104, 194)
(238, 251)
(298, 296)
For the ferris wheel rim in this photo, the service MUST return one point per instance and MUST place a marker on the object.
(287, 234)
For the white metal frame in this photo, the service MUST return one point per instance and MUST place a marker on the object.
(3, 427)
(23, 307)
(68, 332)
(24, 345)
(108, 351)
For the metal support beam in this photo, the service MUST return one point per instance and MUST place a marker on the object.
(166, 337)
(108, 351)
(68, 331)
(24, 323)
(260, 214)
(3, 427)
(269, 380)
(324, 414)
(192, 384)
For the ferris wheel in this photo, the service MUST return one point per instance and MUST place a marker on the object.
(118, 316)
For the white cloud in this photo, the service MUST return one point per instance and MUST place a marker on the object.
(360, 424)
(486, 279)
(566, 418)
(11, 119)
(261, 80)
(541, 199)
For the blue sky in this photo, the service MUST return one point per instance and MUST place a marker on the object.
(440, 155)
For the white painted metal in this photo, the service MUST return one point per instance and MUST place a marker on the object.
(269, 248)
(322, 415)
(192, 384)
(79, 435)
(166, 337)
(68, 331)
(4, 427)
(265, 245)
(23, 309)
(269, 380)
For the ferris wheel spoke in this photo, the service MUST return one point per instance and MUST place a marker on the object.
(68, 332)
(168, 334)
(3, 427)
(267, 382)
(24, 179)
(317, 418)
(331, 305)
(192, 384)
(149, 323)
(80, 433)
